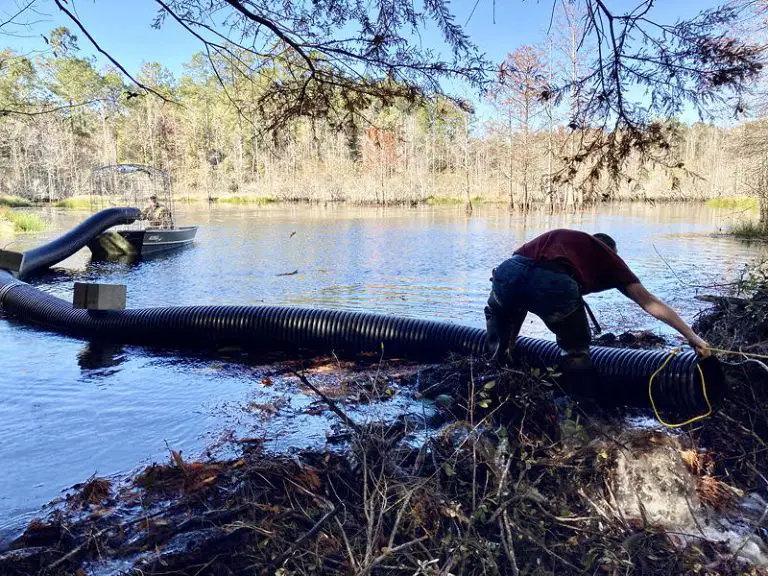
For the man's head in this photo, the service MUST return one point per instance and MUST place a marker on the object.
(607, 240)
(153, 199)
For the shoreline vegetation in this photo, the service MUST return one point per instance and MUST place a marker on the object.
(84, 202)
(749, 230)
(746, 226)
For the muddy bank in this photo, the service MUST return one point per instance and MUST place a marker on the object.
(506, 475)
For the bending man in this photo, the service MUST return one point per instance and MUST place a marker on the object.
(548, 276)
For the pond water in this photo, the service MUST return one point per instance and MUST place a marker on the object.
(71, 409)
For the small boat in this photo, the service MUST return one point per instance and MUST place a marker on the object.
(147, 242)
(134, 184)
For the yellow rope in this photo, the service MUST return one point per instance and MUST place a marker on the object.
(703, 389)
(703, 385)
(739, 353)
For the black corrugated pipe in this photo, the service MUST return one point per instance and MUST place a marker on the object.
(40, 258)
(623, 374)
(248, 327)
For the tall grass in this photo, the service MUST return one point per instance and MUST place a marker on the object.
(15, 202)
(750, 230)
(736, 202)
(244, 199)
(23, 221)
(75, 203)
(444, 200)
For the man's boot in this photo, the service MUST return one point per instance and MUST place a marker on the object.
(579, 377)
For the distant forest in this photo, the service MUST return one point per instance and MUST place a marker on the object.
(64, 116)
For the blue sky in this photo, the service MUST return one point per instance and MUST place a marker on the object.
(123, 27)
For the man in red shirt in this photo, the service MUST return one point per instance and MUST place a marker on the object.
(548, 276)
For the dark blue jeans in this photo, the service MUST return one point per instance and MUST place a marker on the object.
(522, 285)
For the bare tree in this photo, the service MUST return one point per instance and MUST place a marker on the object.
(518, 93)
(572, 49)
(753, 147)
(550, 129)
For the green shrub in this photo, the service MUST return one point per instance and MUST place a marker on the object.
(488, 200)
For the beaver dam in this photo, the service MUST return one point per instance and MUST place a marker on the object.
(500, 473)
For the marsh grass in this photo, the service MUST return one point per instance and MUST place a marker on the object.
(736, 202)
(21, 221)
(246, 199)
(15, 202)
(74, 203)
(749, 229)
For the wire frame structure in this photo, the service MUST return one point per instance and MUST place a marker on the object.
(130, 185)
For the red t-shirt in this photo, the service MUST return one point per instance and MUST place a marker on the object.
(591, 263)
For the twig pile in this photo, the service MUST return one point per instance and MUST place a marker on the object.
(512, 483)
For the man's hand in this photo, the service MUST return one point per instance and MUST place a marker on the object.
(701, 347)
(661, 311)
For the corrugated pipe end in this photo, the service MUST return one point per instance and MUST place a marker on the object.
(715, 380)
(622, 376)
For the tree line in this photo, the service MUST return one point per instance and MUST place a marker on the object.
(62, 116)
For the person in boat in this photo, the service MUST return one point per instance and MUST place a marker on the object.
(549, 276)
(156, 214)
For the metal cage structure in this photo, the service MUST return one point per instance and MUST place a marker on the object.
(130, 185)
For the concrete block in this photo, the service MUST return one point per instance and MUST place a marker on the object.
(99, 296)
(10, 260)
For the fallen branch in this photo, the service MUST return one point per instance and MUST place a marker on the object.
(331, 404)
(721, 299)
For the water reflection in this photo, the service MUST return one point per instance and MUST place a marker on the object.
(96, 358)
(124, 259)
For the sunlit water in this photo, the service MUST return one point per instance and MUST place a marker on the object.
(70, 409)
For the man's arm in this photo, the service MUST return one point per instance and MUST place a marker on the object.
(656, 308)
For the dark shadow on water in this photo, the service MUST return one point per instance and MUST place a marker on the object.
(135, 260)
(100, 360)
(92, 272)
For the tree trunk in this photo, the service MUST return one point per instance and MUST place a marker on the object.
(468, 205)
(511, 167)
(550, 151)
(526, 155)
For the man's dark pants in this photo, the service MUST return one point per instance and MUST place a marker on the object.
(522, 285)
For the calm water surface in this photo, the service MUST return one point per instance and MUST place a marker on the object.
(71, 409)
